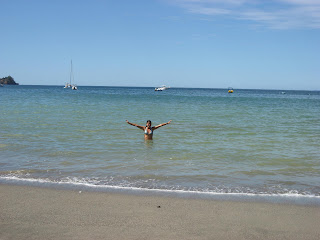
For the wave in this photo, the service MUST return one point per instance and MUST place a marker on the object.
(292, 196)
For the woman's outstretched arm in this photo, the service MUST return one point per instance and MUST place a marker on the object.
(136, 125)
(160, 125)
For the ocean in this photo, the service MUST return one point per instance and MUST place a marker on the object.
(251, 143)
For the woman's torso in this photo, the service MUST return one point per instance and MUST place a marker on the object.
(148, 132)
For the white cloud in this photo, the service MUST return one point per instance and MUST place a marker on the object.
(279, 14)
(302, 2)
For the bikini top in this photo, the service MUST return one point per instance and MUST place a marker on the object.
(148, 133)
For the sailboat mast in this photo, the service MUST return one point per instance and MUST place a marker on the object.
(71, 74)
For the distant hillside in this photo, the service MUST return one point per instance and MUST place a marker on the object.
(8, 81)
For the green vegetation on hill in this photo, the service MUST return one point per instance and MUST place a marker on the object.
(8, 81)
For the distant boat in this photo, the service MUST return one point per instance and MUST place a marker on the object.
(67, 85)
(162, 88)
(230, 90)
(70, 85)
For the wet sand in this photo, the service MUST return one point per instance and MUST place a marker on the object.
(41, 213)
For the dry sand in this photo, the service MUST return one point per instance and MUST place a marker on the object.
(40, 213)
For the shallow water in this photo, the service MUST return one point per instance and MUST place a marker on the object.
(249, 142)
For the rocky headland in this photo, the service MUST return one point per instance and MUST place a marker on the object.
(8, 81)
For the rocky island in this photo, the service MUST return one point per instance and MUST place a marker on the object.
(8, 81)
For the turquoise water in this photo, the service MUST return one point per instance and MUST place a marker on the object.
(249, 142)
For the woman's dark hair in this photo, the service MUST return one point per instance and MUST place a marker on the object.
(149, 122)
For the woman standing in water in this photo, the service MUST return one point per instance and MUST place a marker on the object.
(148, 130)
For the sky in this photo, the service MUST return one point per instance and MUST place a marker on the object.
(244, 44)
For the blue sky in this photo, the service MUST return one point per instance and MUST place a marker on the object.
(180, 43)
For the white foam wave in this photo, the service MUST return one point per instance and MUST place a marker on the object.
(289, 197)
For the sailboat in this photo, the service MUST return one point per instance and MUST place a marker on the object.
(70, 85)
(67, 85)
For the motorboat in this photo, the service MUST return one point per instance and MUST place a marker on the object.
(162, 88)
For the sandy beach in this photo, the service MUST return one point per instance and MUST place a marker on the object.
(40, 213)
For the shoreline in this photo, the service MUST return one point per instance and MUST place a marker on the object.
(29, 212)
(278, 198)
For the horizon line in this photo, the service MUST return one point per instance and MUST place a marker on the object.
(220, 88)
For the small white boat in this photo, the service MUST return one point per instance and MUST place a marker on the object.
(70, 85)
(162, 88)
(67, 85)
